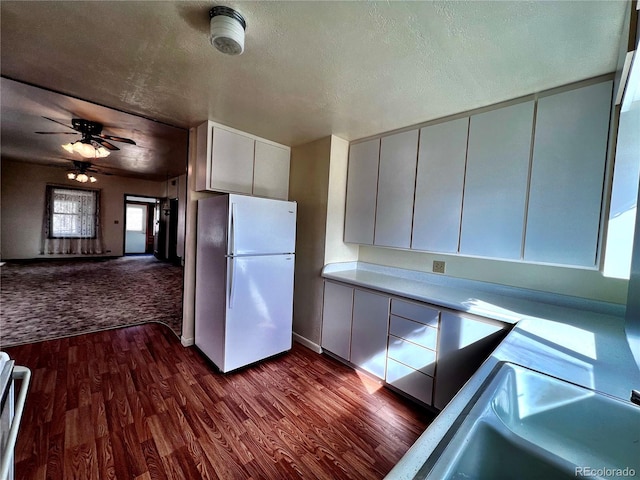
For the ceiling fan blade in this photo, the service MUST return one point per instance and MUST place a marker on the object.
(117, 139)
(60, 123)
(58, 133)
(105, 144)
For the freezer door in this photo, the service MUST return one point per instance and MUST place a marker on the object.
(259, 308)
(261, 226)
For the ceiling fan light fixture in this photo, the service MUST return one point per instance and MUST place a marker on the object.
(86, 149)
(68, 147)
(102, 152)
(79, 172)
(227, 28)
(82, 178)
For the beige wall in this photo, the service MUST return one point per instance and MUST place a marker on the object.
(308, 185)
(317, 181)
(23, 197)
(583, 283)
(191, 221)
(335, 249)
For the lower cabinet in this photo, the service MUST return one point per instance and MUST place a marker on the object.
(369, 331)
(425, 352)
(412, 353)
(410, 381)
(465, 342)
(336, 319)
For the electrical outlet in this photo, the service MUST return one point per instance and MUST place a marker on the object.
(438, 266)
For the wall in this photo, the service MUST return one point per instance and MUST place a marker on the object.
(335, 248)
(23, 198)
(317, 182)
(308, 181)
(191, 221)
(181, 195)
(583, 283)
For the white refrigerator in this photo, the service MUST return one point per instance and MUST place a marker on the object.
(244, 278)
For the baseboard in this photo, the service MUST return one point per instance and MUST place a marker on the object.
(187, 342)
(307, 343)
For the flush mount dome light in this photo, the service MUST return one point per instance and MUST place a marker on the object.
(227, 30)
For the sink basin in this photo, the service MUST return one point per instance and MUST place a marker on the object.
(527, 425)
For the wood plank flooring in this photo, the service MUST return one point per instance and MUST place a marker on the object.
(133, 403)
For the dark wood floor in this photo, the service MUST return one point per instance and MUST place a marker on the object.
(134, 404)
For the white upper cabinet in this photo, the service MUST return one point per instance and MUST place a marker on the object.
(498, 184)
(362, 184)
(229, 160)
(271, 171)
(569, 157)
(440, 179)
(495, 190)
(396, 185)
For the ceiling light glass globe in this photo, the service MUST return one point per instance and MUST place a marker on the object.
(68, 147)
(85, 149)
(102, 152)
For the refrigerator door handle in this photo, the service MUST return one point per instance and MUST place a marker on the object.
(232, 262)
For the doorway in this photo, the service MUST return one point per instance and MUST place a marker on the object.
(139, 223)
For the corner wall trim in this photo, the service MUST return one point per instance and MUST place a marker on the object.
(307, 343)
(187, 342)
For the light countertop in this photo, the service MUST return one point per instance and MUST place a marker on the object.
(577, 340)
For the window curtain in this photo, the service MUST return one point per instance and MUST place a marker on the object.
(71, 222)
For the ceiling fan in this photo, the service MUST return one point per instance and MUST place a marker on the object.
(93, 143)
(82, 172)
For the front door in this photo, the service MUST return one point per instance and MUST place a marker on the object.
(136, 224)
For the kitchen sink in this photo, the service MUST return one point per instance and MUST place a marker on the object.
(527, 425)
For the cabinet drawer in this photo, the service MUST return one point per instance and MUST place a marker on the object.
(416, 312)
(415, 332)
(412, 355)
(410, 381)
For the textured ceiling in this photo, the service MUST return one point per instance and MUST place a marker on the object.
(310, 69)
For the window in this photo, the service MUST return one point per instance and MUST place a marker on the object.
(624, 194)
(73, 213)
(136, 218)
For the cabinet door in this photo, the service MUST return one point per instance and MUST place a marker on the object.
(336, 319)
(569, 155)
(362, 185)
(465, 342)
(369, 332)
(271, 171)
(440, 179)
(231, 162)
(396, 186)
(495, 188)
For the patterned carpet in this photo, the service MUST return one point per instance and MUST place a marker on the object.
(50, 299)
